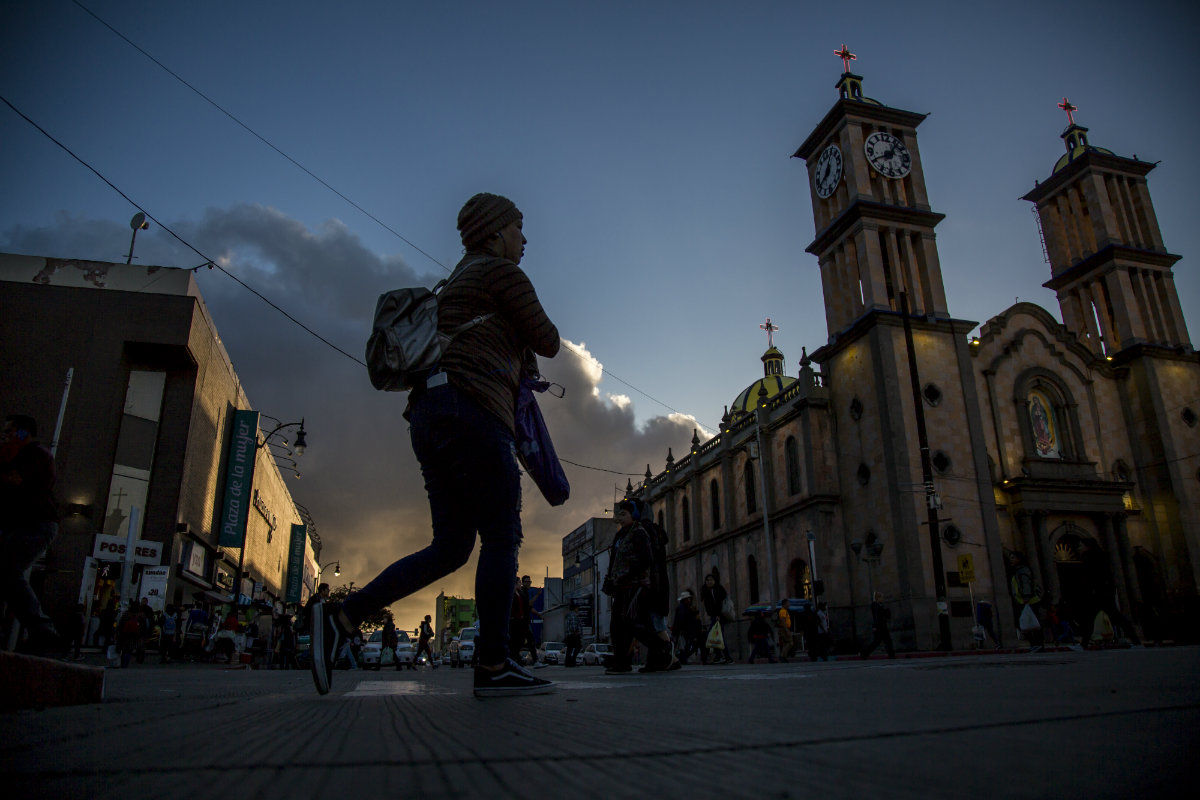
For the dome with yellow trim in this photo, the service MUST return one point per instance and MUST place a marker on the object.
(773, 380)
(1075, 137)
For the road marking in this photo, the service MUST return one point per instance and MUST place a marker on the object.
(617, 684)
(389, 688)
(751, 676)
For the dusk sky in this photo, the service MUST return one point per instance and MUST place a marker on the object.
(648, 145)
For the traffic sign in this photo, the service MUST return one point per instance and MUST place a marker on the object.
(966, 568)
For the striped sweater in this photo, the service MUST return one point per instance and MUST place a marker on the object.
(485, 361)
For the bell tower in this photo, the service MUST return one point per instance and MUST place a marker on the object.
(902, 394)
(874, 226)
(1108, 263)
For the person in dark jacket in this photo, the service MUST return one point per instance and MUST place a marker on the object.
(760, 638)
(713, 597)
(28, 524)
(628, 582)
(686, 628)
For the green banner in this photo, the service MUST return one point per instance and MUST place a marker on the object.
(239, 478)
(295, 571)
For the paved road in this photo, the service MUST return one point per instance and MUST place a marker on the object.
(1108, 724)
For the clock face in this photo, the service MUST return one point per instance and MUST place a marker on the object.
(828, 171)
(888, 155)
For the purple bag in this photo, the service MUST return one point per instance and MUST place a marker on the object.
(534, 448)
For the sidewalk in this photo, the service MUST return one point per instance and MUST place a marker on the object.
(921, 728)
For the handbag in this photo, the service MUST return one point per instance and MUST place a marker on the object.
(716, 638)
(1029, 620)
(534, 448)
(727, 609)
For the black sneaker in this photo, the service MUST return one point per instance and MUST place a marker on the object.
(510, 680)
(327, 639)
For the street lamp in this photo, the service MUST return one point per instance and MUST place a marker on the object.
(753, 449)
(298, 445)
(337, 569)
(870, 552)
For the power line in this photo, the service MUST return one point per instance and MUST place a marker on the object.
(255, 134)
(324, 183)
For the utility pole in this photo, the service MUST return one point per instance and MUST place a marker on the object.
(935, 542)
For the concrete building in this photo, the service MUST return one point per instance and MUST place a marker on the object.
(451, 615)
(124, 362)
(909, 459)
(585, 563)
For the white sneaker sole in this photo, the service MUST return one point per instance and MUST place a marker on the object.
(515, 691)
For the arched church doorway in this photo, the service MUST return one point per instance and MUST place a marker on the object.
(799, 579)
(1074, 580)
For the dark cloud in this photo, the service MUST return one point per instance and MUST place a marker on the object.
(360, 479)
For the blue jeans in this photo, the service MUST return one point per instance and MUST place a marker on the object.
(469, 463)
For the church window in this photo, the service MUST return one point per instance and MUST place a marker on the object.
(714, 493)
(687, 519)
(792, 459)
(941, 462)
(752, 575)
(1189, 418)
(751, 505)
(933, 395)
(856, 408)
(864, 474)
(1045, 431)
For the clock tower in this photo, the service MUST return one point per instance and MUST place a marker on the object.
(904, 402)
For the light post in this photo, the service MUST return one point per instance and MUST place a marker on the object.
(752, 450)
(595, 593)
(871, 553)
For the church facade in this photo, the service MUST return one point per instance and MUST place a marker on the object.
(910, 460)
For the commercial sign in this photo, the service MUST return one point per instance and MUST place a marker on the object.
(295, 570)
(112, 548)
(239, 477)
(154, 586)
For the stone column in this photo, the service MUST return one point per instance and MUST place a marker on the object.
(1025, 524)
(1126, 553)
(1114, 562)
(1050, 585)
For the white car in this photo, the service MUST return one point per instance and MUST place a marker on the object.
(461, 655)
(374, 656)
(554, 652)
(594, 654)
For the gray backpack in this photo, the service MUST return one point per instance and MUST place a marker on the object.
(405, 345)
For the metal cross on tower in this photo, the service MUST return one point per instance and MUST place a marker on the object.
(1067, 106)
(846, 56)
(770, 328)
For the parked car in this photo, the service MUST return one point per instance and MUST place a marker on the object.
(594, 654)
(554, 652)
(374, 656)
(462, 649)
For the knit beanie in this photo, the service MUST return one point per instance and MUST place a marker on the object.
(483, 215)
